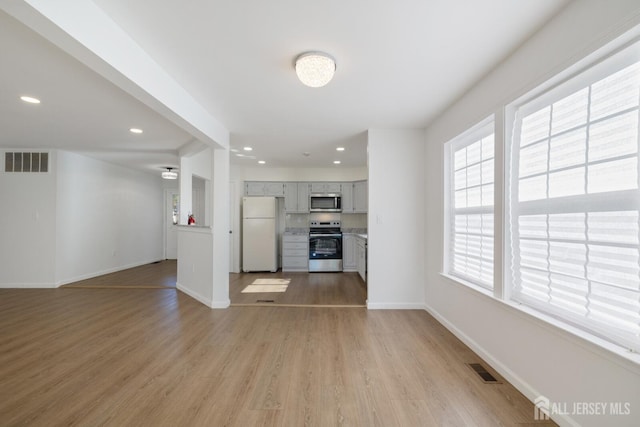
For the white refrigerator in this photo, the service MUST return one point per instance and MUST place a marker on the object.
(259, 238)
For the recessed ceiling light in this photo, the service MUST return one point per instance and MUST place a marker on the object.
(340, 149)
(240, 155)
(262, 162)
(135, 130)
(336, 162)
(235, 150)
(247, 148)
(30, 99)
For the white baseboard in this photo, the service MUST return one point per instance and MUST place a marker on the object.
(28, 286)
(195, 295)
(522, 386)
(103, 272)
(221, 304)
(395, 306)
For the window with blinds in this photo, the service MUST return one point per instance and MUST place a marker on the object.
(575, 201)
(471, 162)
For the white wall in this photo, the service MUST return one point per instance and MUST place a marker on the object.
(396, 219)
(203, 252)
(28, 228)
(83, 218)
(220, 227)
(108, 218)
(195, 263)
(198, 164)
(538, 358)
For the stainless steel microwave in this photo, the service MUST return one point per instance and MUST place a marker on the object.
(325, 202)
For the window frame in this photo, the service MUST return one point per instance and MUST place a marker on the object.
(472, 135)
(591, 70)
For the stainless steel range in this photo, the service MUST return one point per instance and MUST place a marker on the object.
(325, 246)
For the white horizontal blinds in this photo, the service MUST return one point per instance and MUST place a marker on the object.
(575, 210)
(471, 222)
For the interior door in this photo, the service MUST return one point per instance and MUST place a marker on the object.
(172, 216)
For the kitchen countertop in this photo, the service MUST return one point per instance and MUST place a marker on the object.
(358, 232)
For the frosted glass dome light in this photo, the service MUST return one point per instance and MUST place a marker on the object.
(315, 69)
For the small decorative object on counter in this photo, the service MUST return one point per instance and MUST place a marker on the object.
(191, 220)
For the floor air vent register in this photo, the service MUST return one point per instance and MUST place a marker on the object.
(483, 373)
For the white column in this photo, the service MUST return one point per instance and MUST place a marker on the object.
(220, 227)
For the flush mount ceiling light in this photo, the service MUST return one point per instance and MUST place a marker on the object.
(315, 69)
(170, 174)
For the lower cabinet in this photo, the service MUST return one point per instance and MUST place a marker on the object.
(349, 254)
(362, 258)
(295, 252)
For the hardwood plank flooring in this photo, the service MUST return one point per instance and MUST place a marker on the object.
(161, 274)
(156, 357)
(317, 289)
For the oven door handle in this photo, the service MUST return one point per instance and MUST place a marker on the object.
(325, 235)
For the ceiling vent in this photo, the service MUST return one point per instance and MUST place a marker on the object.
(26, 162)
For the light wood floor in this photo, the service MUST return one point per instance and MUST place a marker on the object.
(317, 289)
(156, 275)
(156, 357)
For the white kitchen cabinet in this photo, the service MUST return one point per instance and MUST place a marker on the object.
(303, 197)
(295, 252)
(360, 197)
(325, 187)
(254, 188)
(260, 188)
(274, 189)
(291, 197)
(362, 258)
(296, 197)
(347, 197)
(349, 253)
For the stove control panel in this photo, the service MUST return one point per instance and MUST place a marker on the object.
(324, 224)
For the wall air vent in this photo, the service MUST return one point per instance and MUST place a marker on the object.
(26, 162)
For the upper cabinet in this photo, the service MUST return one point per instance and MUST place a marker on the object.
(303, 197)
(296, 194)
(325, 187)
(291, 197)
(360, 197)
(296, 197)
(347, 197)
(259, 188)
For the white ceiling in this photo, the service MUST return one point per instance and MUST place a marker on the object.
(399, 64)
